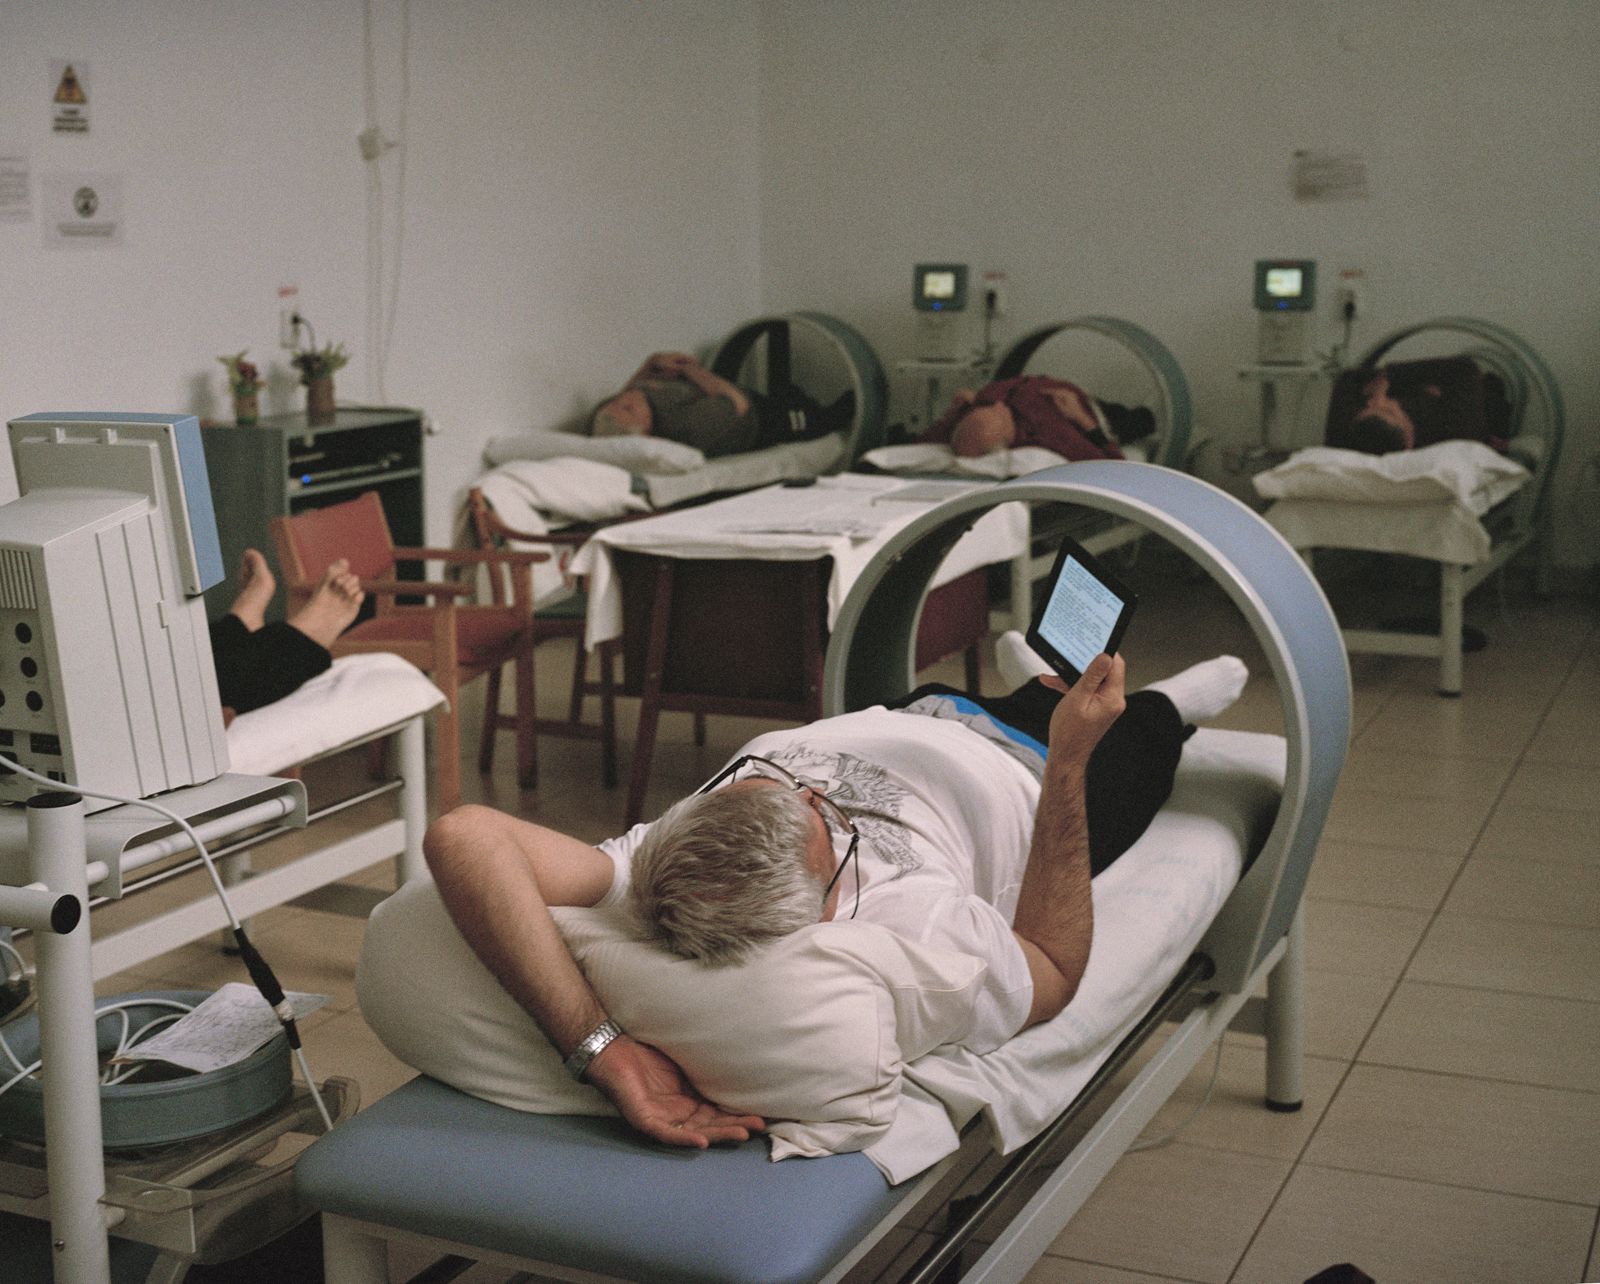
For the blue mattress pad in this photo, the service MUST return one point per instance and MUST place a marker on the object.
(590, 1193)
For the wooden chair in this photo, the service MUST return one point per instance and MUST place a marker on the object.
(450, 640)
(565, 619)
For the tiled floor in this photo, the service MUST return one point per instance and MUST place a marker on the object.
(1452, 1123)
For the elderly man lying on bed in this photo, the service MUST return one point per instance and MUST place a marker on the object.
(672, 395)
(919, 802)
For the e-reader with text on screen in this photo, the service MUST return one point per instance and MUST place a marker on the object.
(1083, 611)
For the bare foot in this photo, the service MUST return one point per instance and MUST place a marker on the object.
(256, 587)
(333, 607)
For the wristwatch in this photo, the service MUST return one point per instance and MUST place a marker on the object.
(594, 1043)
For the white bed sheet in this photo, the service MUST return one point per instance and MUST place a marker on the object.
(920, 458)
(724, 529)
(357, 696)
(731, 473)
(1425, 503)
(1151, 909)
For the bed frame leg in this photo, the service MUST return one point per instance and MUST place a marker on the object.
(1452, 621)
(350, 1255)
(412, 753)
(1285, 1022)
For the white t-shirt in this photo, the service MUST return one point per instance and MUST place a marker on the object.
(945, 819)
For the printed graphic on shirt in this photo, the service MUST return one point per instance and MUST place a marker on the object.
(874, 801)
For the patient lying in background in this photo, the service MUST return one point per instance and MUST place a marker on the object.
(258, 663)
(1036, 410)
(674, 396)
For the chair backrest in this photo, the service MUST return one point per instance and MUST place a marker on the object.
(307, 542)
(488, 532)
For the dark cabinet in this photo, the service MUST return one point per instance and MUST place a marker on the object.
(284, 465)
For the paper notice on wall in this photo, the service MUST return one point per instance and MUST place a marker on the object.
(82, 211)
(1329, 176)
(69, 97)
(16, 202)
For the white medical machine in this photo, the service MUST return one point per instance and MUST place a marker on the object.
(106, 673)
(939, 295)
(1285, 294)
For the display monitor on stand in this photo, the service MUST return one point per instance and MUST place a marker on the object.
(1285, 295)
(106, 676)
(939, 295)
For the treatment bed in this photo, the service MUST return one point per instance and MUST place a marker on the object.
(811, 350)
(576, 1197)
(1455, 504)
(1116, 356)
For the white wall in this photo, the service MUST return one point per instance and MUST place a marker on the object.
(581, 188)
(588, 180)
(1134, 158)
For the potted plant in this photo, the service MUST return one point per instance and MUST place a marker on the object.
(244, 381)
(316, 366)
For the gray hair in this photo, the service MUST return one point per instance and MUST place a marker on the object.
(722, 873)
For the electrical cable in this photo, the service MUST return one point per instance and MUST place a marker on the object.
(1205, 1099)
(22, 963)
(260, 973)
(402, 144)
(126, 1040)
(383, 284)
(371, 152)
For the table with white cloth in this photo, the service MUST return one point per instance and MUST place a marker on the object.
(725, 607)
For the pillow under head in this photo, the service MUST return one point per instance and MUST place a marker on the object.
(812, 1031)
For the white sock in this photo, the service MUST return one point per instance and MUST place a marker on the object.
(1204, 690)
(1017, 662)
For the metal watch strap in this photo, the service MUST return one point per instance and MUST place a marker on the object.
(596, 1042)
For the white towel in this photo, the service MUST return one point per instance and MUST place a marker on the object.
(358, 695)
(539, 495)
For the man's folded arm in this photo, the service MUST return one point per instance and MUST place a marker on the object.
(497, 877)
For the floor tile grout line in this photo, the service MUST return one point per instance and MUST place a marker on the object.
(1483, 918)
(1497, 1080)
(1299, 1159)
(1451, 1185)
(1112, 1266)
(1455, 879)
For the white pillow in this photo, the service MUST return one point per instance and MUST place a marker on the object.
(648, 455)
(1446, 470)
(813, 1031)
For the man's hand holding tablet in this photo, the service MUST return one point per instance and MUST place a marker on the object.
(1083, 612)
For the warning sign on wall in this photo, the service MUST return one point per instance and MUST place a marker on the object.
(69, 103)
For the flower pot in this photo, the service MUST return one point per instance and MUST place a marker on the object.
(319, 401)
(246, 408)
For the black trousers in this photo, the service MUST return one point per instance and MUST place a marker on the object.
(1130, 771)
(254, 669)
(790, 414)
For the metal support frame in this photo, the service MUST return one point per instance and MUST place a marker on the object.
(1455, 582)
(58, 853)
(69, 963)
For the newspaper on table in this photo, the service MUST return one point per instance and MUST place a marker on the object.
(829, 506)
(225, 1028)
